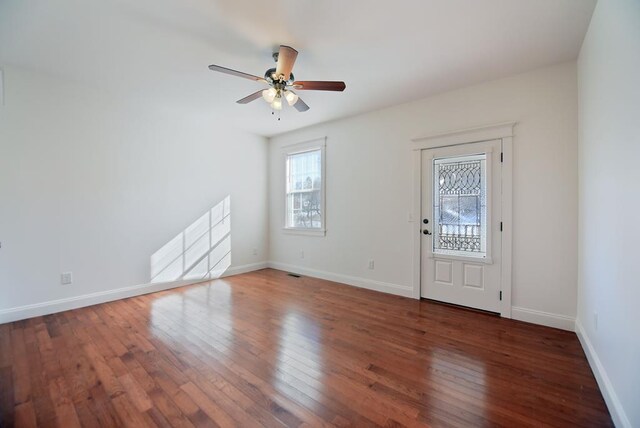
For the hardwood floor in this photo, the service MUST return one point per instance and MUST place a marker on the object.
(267, 349)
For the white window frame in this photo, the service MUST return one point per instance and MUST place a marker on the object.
(307, 146)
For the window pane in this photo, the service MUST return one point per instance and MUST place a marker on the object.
(304, 193)
(460, 206)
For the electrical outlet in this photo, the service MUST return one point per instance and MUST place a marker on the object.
(595, 321)
(371, 264)
(66, 278)
(301, 254)
(255, 251)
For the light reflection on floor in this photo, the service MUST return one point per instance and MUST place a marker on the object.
(446, 373)
(294, 339)
(182, 314)
(299, 355)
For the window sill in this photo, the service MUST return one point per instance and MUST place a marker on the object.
(304, 232)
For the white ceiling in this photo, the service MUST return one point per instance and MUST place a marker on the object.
(386, 52)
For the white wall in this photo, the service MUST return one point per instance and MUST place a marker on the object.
(95, 184)
(369, 189)
(609, 173)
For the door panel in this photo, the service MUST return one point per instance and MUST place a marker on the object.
(461, 209)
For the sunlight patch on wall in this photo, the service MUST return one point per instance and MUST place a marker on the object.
(201, 251)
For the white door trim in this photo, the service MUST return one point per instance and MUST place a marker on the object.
(501, 131)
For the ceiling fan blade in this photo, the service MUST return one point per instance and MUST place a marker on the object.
(286, 58)
(249, 98)
(319, 86)
(226, 70)
(301, 105)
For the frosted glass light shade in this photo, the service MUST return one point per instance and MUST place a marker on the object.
(277, 104)
(269, 94)
(291, 98)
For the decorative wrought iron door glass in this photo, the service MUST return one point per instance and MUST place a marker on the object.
(460, 206)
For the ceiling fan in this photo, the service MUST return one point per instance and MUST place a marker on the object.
(281, 82)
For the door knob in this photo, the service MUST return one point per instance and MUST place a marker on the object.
(426, 232)
(425, 221)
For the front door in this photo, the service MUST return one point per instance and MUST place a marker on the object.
(461, 212)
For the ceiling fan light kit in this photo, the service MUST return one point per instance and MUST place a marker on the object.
(281, 82)
(291, 97)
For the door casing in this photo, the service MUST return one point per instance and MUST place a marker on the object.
(501, 131)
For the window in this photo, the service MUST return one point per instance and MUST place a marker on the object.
(305, 188)
(460, 206)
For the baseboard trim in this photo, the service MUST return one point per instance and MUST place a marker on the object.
(384, 287)
(53, 306)
(618, 414)
(549, 319)
(237, 270)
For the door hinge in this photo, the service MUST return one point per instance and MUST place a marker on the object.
(501, 157)
(501, 296)
(500, 226)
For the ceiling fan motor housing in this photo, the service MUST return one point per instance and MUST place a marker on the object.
(268, 76)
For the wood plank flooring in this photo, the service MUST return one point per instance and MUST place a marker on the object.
(268, 350)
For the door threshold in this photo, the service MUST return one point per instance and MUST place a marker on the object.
(466, 308)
